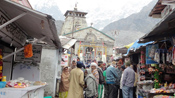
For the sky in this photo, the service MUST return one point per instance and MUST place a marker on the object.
(90, 4)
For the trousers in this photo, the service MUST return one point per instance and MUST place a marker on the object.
(127, 92)
(112, 91)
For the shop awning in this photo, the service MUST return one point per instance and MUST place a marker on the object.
(165, 28)
(136, 46)
(33, 23)
(67, 42)
(128, 46)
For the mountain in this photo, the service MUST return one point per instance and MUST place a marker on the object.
(102, 16)
(136, 22)
(100, 13)
(133, 27)
(59, 24)
(51, 9)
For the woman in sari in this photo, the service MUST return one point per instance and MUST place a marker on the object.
(64, 84)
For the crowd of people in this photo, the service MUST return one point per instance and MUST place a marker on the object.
(115, 80)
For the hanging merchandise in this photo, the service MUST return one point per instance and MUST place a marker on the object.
(167, 57)
(163, 56)
(173, 40)
(173, 56)
(142, 78)
(157, 56)
(28, 52)
(150, 53)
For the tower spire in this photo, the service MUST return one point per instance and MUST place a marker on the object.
(75, 6)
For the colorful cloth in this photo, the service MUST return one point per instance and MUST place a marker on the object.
(95, 73)
(63, 94)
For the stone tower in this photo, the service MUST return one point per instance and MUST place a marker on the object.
(73, 18)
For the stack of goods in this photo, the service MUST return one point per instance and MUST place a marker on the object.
(21, 83)
(163, 96)
(164, 89)
(142, 67)
(145, 86)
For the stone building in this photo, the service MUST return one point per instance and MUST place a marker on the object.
(91, 43)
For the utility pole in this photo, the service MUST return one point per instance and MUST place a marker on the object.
(75, 9)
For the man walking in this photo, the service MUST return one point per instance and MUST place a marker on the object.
(111, 75)
(128, 81)
(101, 79)
(119, 72)
(76, 82)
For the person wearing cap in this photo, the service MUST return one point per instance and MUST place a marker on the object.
(111, 75)
(120, 93)
(128, 81)
(76, 82)
(91, 89)
(64, 84)
(95, 71)
(101, 79)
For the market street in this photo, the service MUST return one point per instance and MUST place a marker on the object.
(87, 49)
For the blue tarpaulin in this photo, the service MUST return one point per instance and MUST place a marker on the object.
(136, 46)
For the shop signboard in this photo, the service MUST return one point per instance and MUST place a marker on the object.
(37, 50)
(64, 61)
(150, 53)
(11, 31)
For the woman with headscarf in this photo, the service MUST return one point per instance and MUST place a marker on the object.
(91, 84)
(95, 71)
(64, 84)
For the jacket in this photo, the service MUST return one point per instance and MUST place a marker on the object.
(111, 75)
(101, 77)
(119, 73)
(92, 88)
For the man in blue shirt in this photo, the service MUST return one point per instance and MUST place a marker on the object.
(128, 81)
(111, 75)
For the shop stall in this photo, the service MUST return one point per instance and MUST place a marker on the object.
(25, 37)
(159, 65)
